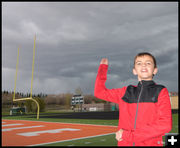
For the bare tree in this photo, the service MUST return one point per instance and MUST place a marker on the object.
(78, 91)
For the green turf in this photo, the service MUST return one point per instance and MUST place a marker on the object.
(82, 121)
(108, 140)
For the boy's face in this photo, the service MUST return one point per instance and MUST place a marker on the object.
(144, 68)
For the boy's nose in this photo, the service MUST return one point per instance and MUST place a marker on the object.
(143, 64)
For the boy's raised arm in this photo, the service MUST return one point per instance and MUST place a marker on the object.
(100, 90)
(104, 61)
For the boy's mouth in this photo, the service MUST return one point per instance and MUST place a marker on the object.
(144, 70)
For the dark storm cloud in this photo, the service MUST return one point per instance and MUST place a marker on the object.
(73, 37)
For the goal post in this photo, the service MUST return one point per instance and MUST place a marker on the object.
(30, 98)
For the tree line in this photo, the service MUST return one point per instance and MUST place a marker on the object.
(44, 100)
(7, 101)
(24, 95)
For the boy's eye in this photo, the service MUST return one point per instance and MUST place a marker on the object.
(138, 63)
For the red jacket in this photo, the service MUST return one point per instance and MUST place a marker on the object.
(144, 110)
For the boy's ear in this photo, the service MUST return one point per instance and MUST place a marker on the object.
(155, 71)
(134, 71)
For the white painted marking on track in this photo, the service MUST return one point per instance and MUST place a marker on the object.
(12, 124)
(10, 129)
(28, 134)
(71, 139)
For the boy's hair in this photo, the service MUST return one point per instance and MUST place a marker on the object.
(143, 54)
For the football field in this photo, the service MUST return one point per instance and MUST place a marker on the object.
(30, 133)
(24, 131)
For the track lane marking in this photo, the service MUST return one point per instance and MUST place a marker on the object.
(37, 133)
(72, 139)
(5, 125)
(16, 128)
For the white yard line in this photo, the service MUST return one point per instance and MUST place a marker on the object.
(5, 125)
(37, 133)
(10, 129)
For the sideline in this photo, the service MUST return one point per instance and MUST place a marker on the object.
(72, 139)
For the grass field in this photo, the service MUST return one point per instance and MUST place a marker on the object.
(107, 140)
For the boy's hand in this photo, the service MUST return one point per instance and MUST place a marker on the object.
(104, 61)
(119, 135)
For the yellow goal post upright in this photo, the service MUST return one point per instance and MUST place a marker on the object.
(30, 98)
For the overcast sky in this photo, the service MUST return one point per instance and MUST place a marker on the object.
(72, 37)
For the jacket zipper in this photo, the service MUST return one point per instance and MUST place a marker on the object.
(137, 108)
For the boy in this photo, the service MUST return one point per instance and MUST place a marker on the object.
(144, 110)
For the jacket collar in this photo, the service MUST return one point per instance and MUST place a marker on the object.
(146, 83)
